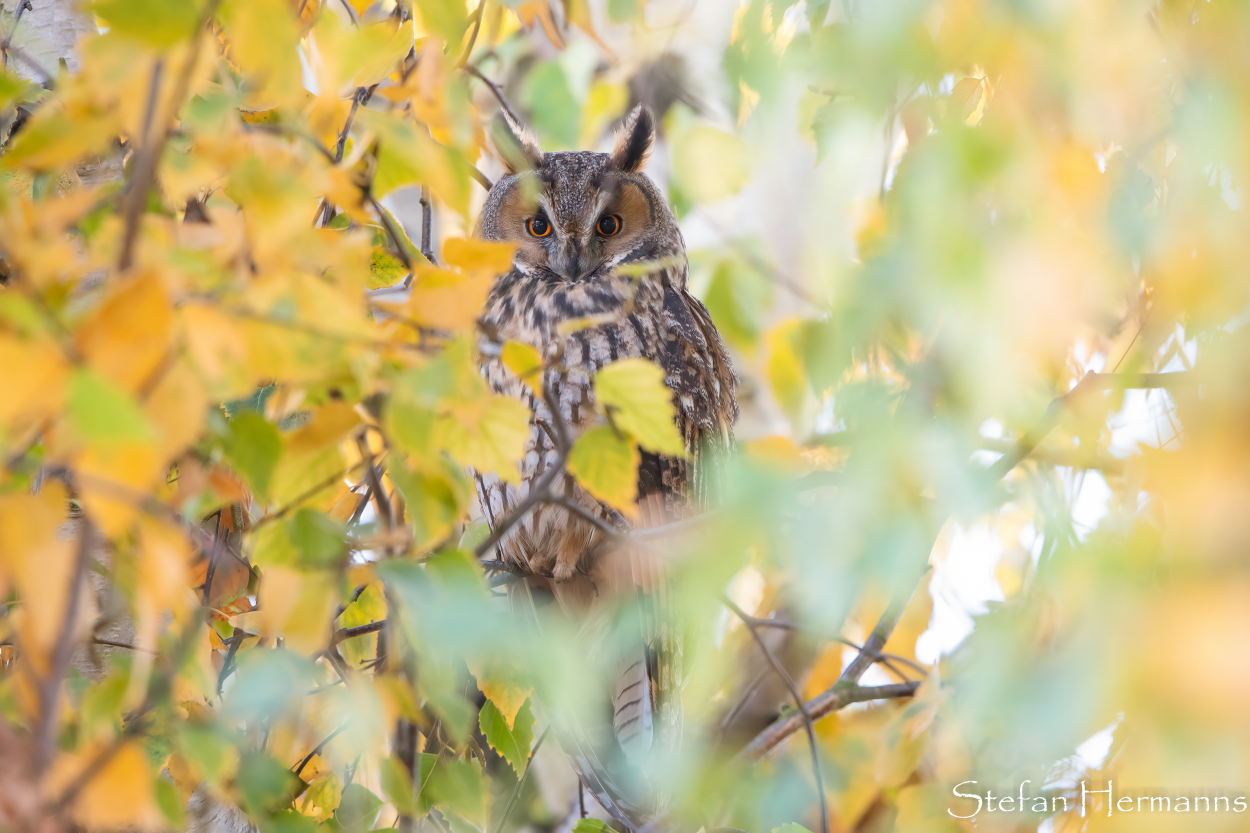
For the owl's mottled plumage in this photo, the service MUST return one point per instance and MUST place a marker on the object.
(571, 275)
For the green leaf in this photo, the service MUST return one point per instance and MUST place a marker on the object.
(317, 536)
(555, 113)
(457, 785)
(158, 23)
(398, 787)
(514, 744)
(358, 809)
(633, 393)
(103, 413)
(591, 826)
(253, 448)
(408, 156)
(791, 828)
(169, 802)
(266, 784)
(208, 749)
(606, 465)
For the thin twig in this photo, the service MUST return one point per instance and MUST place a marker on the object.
(479, 177)
(427, 216)
(113, 644)
(325, 484)
(358, 630)
(884, 659)
(494, 88)
(392, 233)
(317, 750)
(576, 509)
(211, 569)
(808, 721)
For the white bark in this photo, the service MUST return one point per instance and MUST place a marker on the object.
(48, 32)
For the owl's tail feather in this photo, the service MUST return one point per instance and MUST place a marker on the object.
(631, 708)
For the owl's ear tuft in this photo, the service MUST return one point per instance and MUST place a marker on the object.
(514, 144)
(634, 139)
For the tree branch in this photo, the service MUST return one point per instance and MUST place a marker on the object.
(819, 706)
(358, 630)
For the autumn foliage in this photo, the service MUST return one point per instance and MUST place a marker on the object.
(982, 266)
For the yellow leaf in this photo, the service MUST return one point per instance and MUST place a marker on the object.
(633, 394)
(165, 559)
(966, 96)
(322, 797)
(606, 465)
(35, 373)
(119, 797)
(263, 36)
(37, 560)
(487, 255)
(446, 300)
(523, 360)
(488, 438)
(503, 684)
(786, 374)
(128, 335)
(177, 407)
(296, 606)
(709, 164)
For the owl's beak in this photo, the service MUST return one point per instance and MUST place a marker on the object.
(571, 261)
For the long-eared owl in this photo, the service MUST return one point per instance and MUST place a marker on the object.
(577, 218)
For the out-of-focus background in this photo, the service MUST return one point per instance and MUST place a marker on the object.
(980, 264)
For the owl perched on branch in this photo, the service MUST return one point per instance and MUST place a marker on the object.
(600, 276)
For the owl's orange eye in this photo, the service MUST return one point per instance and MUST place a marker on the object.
(609, 224)
(539, 227)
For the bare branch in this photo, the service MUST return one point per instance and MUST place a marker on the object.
(823, 704)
